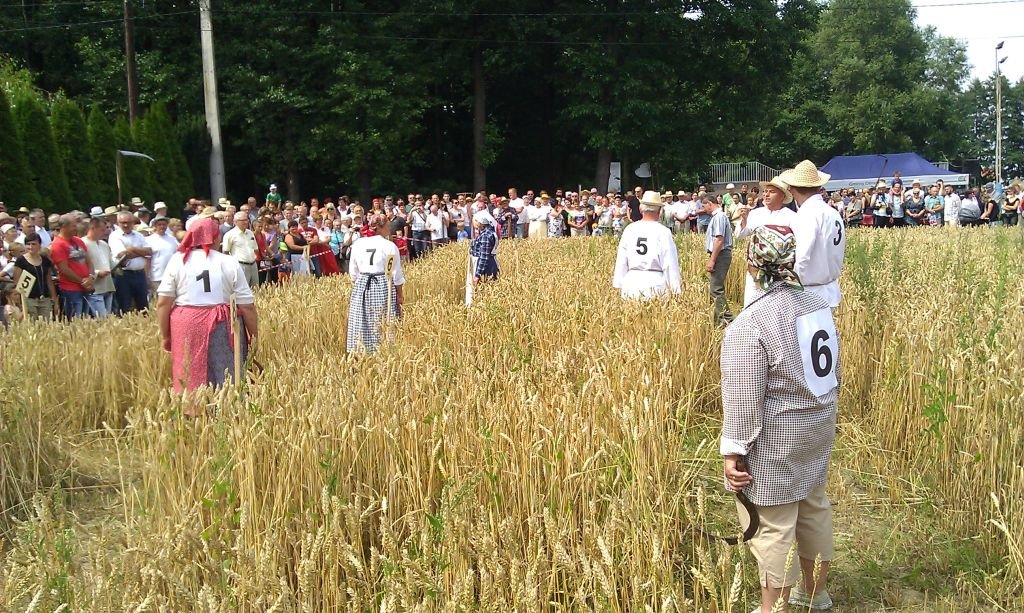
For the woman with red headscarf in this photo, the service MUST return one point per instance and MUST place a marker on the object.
(193, 309)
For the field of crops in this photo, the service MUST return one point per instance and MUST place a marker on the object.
(551, 448)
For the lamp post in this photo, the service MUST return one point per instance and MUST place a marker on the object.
(999, 117)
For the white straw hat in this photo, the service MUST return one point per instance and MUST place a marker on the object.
(806, 174)
(780, 185)
(651, 198)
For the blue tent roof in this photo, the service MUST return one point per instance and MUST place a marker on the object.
(880, 165)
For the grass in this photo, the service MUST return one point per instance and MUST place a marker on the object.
(551, 448)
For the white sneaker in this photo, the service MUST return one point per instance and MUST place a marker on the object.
(799, 598)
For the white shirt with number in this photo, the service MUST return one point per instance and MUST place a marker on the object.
(647, 264)
(370, 257)
(820, 248)
(762, 216)
(205, 280)
(164, 247)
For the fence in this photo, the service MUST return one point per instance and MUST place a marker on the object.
(741, 172)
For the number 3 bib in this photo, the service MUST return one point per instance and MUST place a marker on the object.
(819, 349)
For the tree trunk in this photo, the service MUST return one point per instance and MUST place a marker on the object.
(365, 193)
(294, 193)
(604, 159)
(479, 122)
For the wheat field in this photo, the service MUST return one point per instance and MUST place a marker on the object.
(550, 449)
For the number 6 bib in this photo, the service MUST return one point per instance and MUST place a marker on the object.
(819, 349)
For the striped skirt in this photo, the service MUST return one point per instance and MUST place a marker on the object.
(366, 311)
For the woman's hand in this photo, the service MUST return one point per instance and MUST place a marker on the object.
(167, 344)
(735, 479)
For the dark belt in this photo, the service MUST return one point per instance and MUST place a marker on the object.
(247, 263)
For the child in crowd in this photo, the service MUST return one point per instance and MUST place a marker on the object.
(403, 245)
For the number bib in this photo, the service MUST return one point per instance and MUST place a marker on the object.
(204, 279)
(819, 349)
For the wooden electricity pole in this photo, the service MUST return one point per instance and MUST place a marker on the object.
(218, 188)
(129, 61)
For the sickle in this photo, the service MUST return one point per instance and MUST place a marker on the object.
(755, 519)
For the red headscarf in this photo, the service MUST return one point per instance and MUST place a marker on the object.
(204, 233)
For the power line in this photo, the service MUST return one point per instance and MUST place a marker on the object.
(68, 26)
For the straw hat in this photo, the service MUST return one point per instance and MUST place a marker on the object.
(136, 201)
(780, 185)
(111, 210)
(651, 198)
(681, 192)
(667, 195)
(806, 174)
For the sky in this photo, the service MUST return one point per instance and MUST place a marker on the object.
(980, 25)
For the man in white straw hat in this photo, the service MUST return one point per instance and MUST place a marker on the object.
(775, 196)
(820, 233)
(647, 264)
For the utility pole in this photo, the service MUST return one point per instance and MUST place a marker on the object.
(129, 61)
(218, 189)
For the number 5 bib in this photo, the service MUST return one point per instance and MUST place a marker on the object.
(819, 349)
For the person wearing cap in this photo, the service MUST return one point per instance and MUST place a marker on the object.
(934, 204)
(164, 246)
(718, 243)
(376, 270)
(240, 243)
(101, 300)
(881, 205)
(131, 254)
(780, 391)
(95, 212)
(820, 233)
(646, 262)
(143, 215)
(483, 250)
(273, 198)
(193, 309)
(730, 201)
(775, 197)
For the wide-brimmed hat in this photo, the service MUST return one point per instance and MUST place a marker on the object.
(681, 193)
(111, 210)
(224, 202)
(778, 183)
(651, 198)
(159, 205)
(136, 201)
(96, 211)
(806, 174)
(24, 210)
(667, 195)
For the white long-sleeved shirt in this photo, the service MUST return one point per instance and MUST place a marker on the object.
(164, 246)
(820, 248)
(647, 264)
(761, 216)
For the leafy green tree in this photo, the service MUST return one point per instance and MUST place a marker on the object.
(157, 138)
(15, 186)
(103, 147)
(72, 139)
(44, 166)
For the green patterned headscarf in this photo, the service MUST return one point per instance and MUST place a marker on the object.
(772, 251)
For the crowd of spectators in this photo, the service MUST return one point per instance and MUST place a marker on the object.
(109, 261)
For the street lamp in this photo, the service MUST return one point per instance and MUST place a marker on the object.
(999, 117)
